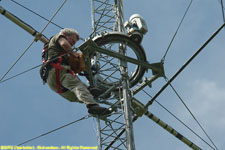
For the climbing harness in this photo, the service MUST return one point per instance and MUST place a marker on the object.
(56, 63)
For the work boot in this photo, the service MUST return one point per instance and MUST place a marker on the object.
(95, 109)
(96, 92)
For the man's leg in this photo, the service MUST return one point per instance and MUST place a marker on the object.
(74, 84)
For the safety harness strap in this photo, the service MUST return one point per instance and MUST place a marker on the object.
(58, 67)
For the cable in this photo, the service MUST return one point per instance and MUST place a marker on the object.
(83, 39)
(179, 120)
(183, 67)
(85, 117)
(163, 58)
(191, 113)
(36, 13)
(17, 60)
(54, 15)
(37, 66)
(219, 1)
(20, 73)
(32, 42)
(180, 70)
(222, 10)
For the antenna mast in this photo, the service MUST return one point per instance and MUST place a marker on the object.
(107, 15)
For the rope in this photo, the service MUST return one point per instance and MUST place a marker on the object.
(32, 42)
(163, 58)
(85, 117)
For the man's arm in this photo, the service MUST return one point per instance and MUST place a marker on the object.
(64, 44)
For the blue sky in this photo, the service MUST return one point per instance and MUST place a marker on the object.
(28, 108)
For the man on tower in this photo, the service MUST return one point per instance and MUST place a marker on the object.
(61, 78)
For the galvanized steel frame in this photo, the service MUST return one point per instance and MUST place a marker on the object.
(107, 15)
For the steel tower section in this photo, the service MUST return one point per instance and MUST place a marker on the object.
(125, 79)
(107, 15)
(103, 16)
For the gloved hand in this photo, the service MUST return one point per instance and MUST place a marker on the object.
(76, 62)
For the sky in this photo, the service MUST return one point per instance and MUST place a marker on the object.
(28, 108)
